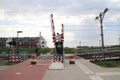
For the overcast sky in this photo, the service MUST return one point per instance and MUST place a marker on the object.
(78, 17)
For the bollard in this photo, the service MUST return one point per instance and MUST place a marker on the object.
(33, 62)
(71, 59)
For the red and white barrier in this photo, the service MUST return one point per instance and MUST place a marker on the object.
(15, 59)
(96, 58)
(57, 63)
(58, 59)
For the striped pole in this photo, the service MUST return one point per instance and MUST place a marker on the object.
(53, 29)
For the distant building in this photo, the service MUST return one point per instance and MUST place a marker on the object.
(24, 42)
(3, 42)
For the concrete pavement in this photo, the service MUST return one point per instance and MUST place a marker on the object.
(104, 73)
(83, 70)
(71, 72)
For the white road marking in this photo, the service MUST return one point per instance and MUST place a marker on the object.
(84, 68)
(43, 64)
(30, 65)
(18, 73)
(88, 71)
(108, 73)
(95, 77)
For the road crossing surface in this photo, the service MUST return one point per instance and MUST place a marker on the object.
(81, 70)
(25, 71)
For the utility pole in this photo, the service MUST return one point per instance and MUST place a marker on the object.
(18, 41)
(80, 47)
(119, 42)
(100, 18)
(99, 42)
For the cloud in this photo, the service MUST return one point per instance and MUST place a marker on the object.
(33, 16)
(69, 39)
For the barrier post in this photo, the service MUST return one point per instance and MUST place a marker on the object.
(71, 59)
(33, 61)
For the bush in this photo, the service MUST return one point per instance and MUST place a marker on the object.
(109, 64)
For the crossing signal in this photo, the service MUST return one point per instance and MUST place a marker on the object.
(14, 42)
(10, 43)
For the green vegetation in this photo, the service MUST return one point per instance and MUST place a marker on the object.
(6, 63)
(109, 64)
(45, 50)
(32, 50)
(69, 50)
(66, 50)
(27, 50)
(87, 49)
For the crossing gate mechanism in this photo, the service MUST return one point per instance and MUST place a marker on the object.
(58, 40)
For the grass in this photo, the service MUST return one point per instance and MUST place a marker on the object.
(69, 50)
(26, 50)
(7, 63)
(108, 63)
